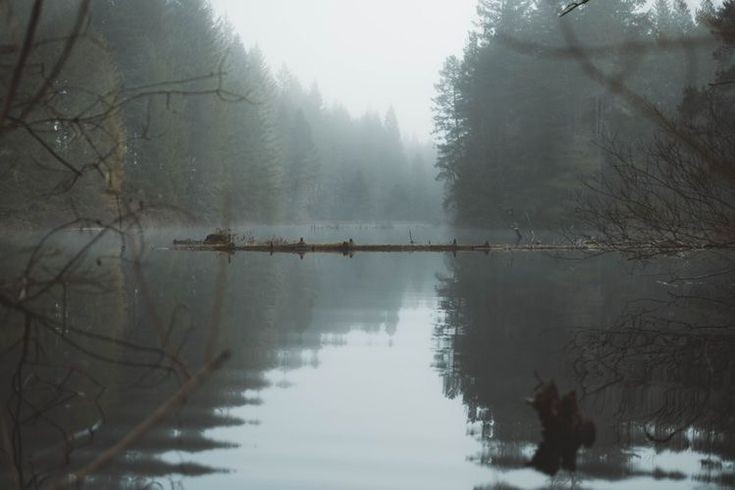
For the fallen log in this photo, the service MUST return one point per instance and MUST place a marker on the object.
(348, 248)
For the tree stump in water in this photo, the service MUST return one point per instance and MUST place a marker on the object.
(563, 430)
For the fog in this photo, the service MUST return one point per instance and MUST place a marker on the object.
(485, 113)
(366, 55)
(471, 244)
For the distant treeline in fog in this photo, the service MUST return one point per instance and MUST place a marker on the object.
(163, 101)
(159, 105)
(521, 121)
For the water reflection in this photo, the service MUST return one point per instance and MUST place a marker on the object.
(582, 322)
(378, 371)
(279, 314)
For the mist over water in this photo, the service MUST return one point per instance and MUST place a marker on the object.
(378, 371)
(478, 244)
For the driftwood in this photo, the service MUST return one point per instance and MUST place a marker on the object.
(350, 247)
(347, 248)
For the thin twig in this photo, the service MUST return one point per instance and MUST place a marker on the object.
(148, 423)
(61, 61)
(571, 7)
(25, 51)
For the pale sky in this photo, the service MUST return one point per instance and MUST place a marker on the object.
(367, 55)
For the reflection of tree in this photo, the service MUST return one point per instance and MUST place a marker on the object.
(336, 296)
(668, 365)
(89, 368)
(505, 318)
(276, 309)
(115, 373)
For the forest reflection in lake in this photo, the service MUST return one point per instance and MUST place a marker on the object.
(389, 371)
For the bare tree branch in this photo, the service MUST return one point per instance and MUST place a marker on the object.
(20, 64)
(144, 426)
(71, 41)
(572, 6)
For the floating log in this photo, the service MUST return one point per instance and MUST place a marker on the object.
(347, 248)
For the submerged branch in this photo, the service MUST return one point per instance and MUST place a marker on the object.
(149, 422)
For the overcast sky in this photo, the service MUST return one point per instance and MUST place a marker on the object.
(366, 54)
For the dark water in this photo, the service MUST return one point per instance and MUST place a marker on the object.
(385, 371)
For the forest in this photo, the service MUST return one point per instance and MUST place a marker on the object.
(161, 103)
(537, 116)
(213, 274)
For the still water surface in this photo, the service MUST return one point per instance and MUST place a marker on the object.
(390, 371)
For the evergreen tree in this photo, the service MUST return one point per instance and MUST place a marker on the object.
(518, 129)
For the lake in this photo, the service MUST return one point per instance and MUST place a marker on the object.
(376, 371)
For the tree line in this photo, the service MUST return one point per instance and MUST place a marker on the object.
(161, 105)
(526, 115)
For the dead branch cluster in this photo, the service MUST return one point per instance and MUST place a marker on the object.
(35, 100)
(678, 191)
(54, 357)
(669, 360)
(668, 198)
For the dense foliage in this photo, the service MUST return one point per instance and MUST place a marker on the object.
(160, 103)
(677, 192)
(520, 117)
